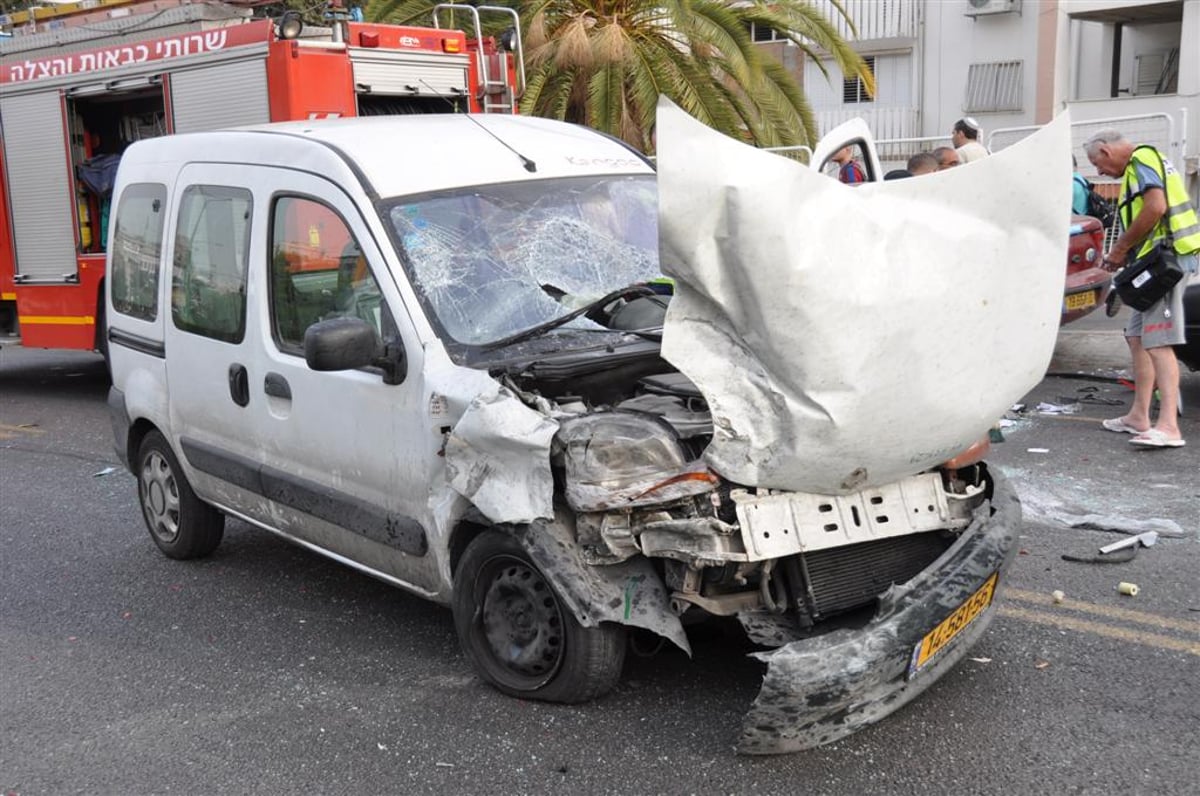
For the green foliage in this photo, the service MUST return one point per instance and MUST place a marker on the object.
(603, 63)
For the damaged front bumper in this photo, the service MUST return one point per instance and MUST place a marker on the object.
(822, 689)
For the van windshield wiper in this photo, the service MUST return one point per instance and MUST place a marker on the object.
(634, 291)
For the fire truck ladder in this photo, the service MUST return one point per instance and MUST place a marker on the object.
(496, 94)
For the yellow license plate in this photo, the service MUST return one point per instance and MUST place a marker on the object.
(951, 626)
(1080, 301)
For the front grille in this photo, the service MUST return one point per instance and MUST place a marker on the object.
(842, 578)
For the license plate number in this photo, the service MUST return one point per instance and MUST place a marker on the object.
(1079, 301)
(937, 639)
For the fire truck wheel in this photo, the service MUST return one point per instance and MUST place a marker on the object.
(518, 634)
(182, 525)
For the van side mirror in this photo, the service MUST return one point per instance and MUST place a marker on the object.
(349, 343)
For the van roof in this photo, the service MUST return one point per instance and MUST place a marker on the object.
(399, 155)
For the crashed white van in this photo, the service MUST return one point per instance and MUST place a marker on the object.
(433, 348)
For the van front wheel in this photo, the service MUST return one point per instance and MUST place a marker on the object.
(182, 525)
(518, 634)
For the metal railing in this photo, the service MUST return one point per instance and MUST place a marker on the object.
(1157, 129)
(873, 19)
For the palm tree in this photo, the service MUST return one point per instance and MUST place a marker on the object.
(603, 63)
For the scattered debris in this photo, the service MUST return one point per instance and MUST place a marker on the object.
(105, 471)
(1045, 408)
(982, 660)
(1128, 589)
(1058, 595)
(1041, 664)
(994, 433)
(440, 764)
(1122, 557)
(1093, 399)
(1166, 528)
(1146, 539)
(1037, 450)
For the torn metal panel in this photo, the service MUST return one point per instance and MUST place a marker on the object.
(822, 689)
(629, 593)
(847, 337)
(498, 457)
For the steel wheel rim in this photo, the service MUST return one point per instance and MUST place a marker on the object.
(160, 497)
(520, 621)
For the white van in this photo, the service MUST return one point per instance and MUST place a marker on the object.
(429, 347)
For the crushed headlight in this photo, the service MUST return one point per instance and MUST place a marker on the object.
(625, 460)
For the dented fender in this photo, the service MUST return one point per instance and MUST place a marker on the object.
(822, 689)
(629, 593)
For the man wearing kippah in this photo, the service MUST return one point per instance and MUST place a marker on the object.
(966, 140)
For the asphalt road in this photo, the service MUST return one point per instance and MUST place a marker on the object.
(266, 669)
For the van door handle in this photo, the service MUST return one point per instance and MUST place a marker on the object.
(239, 384)
(277, 386)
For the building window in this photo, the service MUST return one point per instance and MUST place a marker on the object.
(853, 89)
(995, 86)
(762, 33)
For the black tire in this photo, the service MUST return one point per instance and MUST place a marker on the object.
(182, 525)
(518, 634)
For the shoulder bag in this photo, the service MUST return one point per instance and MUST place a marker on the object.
(1148, 278)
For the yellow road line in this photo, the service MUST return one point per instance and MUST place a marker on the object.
(1108, 611)
(1099, 629)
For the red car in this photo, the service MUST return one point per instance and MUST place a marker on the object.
(1087, 282)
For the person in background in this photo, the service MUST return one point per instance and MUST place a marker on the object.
(946, 156)
(897, 174)
(922, 163)
(966, 140)
(848, 169)
(1153, 205)
(1079, 197)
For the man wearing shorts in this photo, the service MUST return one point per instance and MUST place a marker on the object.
(1153, 205)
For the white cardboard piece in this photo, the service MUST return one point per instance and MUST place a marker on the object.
(846, 337)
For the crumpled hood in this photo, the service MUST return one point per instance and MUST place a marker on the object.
(845, 337)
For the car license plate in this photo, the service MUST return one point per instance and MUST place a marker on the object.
(1080, 301)
(937, 639)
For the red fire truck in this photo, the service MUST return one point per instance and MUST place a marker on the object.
(73, 97)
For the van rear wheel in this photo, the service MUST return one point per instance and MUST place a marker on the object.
(182, 525)
(518, 634)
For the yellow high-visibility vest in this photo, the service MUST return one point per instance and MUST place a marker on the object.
(1179, 221)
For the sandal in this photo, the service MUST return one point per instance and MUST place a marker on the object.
(1156, 439)
(1119, 425)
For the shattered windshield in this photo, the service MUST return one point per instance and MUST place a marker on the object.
(491, 261)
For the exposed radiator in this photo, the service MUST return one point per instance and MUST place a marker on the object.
(842, 578)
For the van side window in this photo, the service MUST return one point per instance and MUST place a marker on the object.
(318, 271)
(137, 246)
(208, 287)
